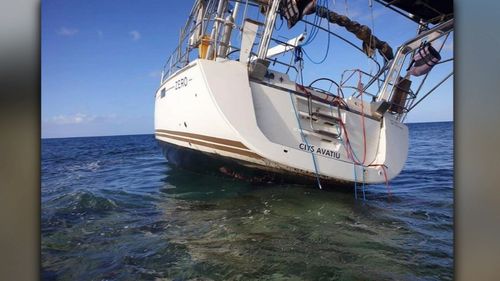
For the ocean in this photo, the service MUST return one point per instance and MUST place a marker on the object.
(113, 209)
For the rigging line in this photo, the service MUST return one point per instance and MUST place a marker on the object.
(349, 150)
(355, 182)
(281, 25)
(328, 41)
(334, 34)
(304, 139)
(343, 39)
(389, 5)
(386, 181)
(349, 155)
(344, 144)
(348, 147)
(426, 75)
(432, 90)
(444, 61)
(370, 4)
(384, 170)
(354, 165)
(314, 31)
(353, 154)
(317, 20)
(300, 60)
(325, 56)
(363, 186)
(360, 87)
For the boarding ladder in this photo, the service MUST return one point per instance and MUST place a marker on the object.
(324, 120)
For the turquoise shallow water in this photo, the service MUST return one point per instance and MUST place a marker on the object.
(112, 209)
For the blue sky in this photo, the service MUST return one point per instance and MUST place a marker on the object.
(101, 61)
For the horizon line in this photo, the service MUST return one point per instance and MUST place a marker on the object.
(152, 133)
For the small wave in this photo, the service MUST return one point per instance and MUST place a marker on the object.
(89, 201)
(69, 209)
(84, 201)
(90, 166)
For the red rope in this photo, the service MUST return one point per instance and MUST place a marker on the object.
(348, 147)
(389, 192)
(386, 182)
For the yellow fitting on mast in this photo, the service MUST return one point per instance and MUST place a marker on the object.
(205, 43)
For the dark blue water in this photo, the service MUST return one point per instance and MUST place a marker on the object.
(112, 209)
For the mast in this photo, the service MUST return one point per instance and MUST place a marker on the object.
(219, 17)
(228, 29)
(269, 27)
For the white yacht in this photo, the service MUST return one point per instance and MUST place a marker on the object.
(232, 99)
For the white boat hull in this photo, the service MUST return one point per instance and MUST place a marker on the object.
(213, 107)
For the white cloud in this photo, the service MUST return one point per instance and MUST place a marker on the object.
(78, 118)
(64, 31)
(81, 124)
(135, 35)
(154, 74)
